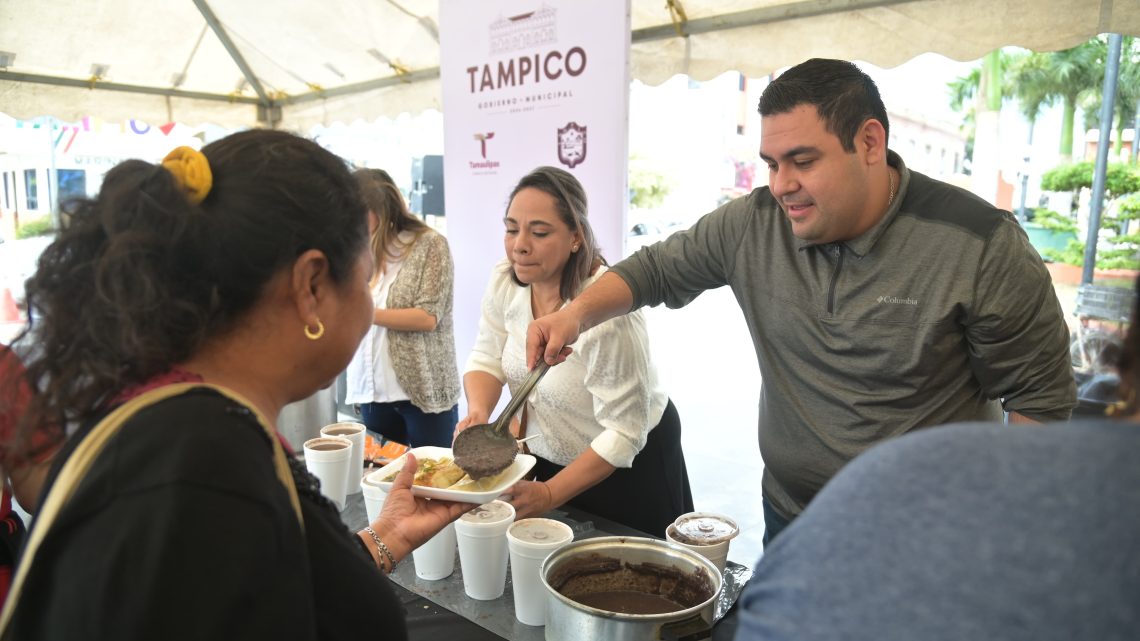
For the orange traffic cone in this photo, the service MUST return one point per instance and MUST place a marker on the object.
(9, 311)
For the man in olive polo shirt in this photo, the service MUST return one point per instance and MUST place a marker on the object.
(879, 300)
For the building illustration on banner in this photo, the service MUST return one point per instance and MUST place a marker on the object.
(572, 145)
(524, 33)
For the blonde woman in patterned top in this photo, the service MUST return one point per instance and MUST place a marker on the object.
(403, 378)
(611, 437)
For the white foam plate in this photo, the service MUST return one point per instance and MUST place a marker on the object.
(514, 473)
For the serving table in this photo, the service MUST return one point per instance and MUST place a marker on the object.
(436, 608)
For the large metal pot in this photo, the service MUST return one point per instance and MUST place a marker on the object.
(595, 569)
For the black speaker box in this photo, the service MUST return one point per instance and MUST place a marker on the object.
(427, 186)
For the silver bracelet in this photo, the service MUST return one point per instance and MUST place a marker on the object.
(382, 550)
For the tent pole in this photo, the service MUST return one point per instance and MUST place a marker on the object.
(1022, 213)
(1136, 133)
(85, 84)
(53, 176)
(762, 15)
(1096, 205)
(271, 112)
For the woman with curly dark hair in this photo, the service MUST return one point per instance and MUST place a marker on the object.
(173, 317)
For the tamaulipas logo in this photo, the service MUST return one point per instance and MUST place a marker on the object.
(485, 163)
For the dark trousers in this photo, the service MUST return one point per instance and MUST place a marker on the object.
(648, 496)
(405, 423)
(774, 523)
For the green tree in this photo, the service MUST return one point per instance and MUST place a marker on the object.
(1119, 179)
(1035, 80)
(1019, 81)
(647, 186)
(1127, 94)
(1122, 190)
(962, 91)
(1067, 76)
(1028, 82)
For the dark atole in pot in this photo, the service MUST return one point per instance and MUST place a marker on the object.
(619, 588)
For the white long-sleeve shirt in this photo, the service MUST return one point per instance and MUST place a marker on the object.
(605, 396)
(371, 375)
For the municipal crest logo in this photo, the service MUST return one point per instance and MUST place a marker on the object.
(572, 145)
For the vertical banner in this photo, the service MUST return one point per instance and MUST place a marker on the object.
(527, 83)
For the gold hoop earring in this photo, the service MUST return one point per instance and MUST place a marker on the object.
(311, 335)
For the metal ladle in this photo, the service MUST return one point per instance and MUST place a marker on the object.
(485, 450)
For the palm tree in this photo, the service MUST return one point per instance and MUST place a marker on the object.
(1036, 80)
(964, 89)
(1029, 82)
(1127, 94)
(1026, 80)
(1068, 75)
(1021, 81)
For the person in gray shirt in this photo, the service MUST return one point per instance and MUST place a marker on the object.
(879, 300)
(971, 531)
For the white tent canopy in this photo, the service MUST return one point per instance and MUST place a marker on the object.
(294, 63)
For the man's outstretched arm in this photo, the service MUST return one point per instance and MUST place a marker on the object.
(550, 337)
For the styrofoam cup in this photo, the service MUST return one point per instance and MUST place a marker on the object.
(482, 538)
(327, 458)
(705, 533)
(354, 432)
(435, 559)
(374, 496)
(530, 541)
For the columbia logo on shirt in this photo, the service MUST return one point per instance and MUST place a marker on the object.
(892, 300)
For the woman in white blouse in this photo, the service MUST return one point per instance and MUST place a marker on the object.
(404, 379)
(611, 440)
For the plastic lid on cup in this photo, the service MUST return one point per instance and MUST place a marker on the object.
(338, 441)
(703, 528)
(327, 448)
(492, 512)
(342, 429)
(540, 531)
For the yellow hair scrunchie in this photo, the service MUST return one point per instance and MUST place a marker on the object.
(191, 171)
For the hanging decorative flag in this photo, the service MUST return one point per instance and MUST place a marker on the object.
(71, 138)
(68, 132)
